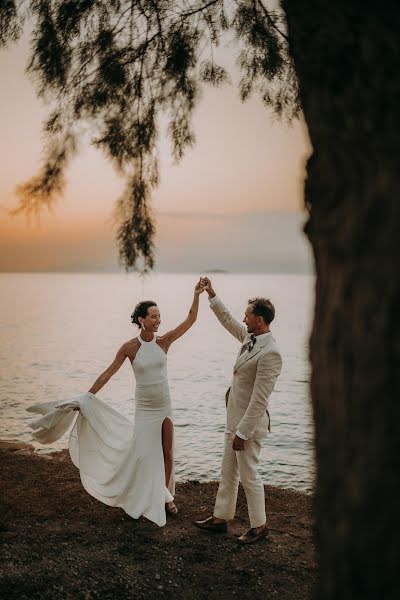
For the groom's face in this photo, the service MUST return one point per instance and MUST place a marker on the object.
(250, 320)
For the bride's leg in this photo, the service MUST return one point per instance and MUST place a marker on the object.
(167, 445)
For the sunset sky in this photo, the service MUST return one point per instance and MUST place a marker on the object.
(234, 202)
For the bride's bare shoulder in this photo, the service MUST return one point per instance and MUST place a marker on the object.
(162, 341)
(131, 347)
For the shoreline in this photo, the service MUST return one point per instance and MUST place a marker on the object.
(48, 452)
(60, 543)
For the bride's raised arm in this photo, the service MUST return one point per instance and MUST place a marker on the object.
(176, 333)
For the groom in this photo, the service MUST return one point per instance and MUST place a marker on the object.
(254, 375)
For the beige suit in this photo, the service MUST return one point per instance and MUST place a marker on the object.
(254, 377)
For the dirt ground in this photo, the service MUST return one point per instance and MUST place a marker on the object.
(58, 543)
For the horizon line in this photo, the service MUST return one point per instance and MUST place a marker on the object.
(155, 272)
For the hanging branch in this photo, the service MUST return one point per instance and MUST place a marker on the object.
(117, 65)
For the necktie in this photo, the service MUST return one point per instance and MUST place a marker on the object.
(252, 342)
(248, 345)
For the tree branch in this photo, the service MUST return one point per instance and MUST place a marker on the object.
(200, 9)
(271, 21)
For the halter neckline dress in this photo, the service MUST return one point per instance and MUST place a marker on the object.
(122, 463)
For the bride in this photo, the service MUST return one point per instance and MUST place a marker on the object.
(125, 465)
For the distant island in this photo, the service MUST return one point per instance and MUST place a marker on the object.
(215, 271)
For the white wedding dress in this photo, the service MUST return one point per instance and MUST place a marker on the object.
(120, 463)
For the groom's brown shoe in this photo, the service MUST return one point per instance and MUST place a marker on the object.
(209, 525)
(251, 536)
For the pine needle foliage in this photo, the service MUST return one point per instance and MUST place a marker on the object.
(119, 66)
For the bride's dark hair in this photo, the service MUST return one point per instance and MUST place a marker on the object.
(141, 310)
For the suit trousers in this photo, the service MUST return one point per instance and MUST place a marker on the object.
(241, 466)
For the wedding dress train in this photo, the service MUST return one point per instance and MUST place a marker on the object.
(121, 463)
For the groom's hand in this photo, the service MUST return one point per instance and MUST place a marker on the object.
(238, 444)
(208, 287)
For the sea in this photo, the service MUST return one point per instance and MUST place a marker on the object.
(59, 331)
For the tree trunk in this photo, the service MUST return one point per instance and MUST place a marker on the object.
(347, 59)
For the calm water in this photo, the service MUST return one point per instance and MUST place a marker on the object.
(59, 331)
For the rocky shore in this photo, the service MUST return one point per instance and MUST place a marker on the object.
(58, 543)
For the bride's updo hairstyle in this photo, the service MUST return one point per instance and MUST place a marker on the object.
(141, 310)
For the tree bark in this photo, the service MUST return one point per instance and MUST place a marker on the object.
(347, 59)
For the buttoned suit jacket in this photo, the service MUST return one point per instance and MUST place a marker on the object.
(254, 377)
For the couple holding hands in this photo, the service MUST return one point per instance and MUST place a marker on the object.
(132, 466)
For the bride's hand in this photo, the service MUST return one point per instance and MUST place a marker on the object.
(199, 288)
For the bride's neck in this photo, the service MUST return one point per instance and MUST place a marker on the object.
(147, 336)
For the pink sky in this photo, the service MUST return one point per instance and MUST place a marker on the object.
(244, 162)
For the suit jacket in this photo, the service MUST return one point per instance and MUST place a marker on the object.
(254, 377)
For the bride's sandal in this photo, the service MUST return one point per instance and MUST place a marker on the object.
(171, 509)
